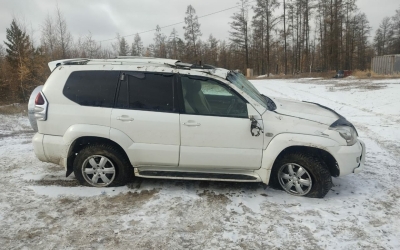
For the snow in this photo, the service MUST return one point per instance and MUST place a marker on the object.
(41, 208)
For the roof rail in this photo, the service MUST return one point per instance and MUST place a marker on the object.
(135, 57)
(194, 66)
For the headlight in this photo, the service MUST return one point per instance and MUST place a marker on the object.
(348, 133)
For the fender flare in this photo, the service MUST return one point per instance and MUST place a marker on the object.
(77, 131)
(286, 140)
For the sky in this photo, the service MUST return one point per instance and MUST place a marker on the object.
(105, 18)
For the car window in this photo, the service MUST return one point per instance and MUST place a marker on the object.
(146, 91)
(209, 97)
(92, 88)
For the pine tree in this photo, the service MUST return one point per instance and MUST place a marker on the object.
(137, 46)
(173, 42)
(19, 51)
(123, 47)
(192, 30)
(159, 43)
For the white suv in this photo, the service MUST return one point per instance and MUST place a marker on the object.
(110, 120)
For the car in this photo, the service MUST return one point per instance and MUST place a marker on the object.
(111, 120)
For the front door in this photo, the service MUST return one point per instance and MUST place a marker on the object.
(215, 127)
(145, 111)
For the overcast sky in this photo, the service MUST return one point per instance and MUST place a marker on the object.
(105, 18)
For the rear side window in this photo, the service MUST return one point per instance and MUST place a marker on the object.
(92, 88)
(147, 91)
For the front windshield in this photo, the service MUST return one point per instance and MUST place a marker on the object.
(240, 81)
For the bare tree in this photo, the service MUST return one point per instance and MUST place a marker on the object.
(239, 34)
(264, 11)
(91, 47)
(64, 38)
(383, 36)
(49, 37)
(396, 32)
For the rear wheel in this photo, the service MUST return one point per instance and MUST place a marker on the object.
(102, 165)
(301, 174)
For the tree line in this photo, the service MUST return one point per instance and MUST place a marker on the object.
(280, 37)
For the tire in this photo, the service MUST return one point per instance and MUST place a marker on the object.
(301, 174)
(102, 165)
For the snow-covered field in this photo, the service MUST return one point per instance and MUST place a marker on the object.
(41, 209)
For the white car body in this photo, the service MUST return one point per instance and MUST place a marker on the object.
(188, 143)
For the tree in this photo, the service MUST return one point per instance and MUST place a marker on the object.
(284, 34)
(239, 34)
(264, 13)
(396, 32)
(64, 38)
(137, 46)
(19, 51)
(123, 49)
(174, 43)
(192, 30)
(383, 36)
(49, 38)
(159, 43)
(91, 47)
(211, 52)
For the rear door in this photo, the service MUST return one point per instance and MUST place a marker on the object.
(215, 127)
(145, 111)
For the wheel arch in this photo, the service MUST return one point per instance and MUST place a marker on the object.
(287, 143)
(328, 159)
(81, 142)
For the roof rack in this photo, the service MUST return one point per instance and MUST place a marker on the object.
(132, 60)
(135, 57)
(194, 66)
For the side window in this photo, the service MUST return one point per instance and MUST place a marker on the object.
(146, 91)
(209, 97)
(92, 88)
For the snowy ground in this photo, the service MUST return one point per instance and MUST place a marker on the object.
(41, 209)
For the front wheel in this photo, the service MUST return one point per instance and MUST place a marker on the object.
(101, 165)
(302, 174)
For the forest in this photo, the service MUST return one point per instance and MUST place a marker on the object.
(306, 36)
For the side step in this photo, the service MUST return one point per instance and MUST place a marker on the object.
(157, 174)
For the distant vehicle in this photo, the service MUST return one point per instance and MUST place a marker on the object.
(342, 74)
(110, 120)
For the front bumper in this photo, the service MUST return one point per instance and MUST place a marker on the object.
(350, 159)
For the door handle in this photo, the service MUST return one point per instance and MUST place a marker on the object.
(191, 124)
(125, 118)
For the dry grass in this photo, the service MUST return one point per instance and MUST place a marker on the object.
(359, 74)
(16, 108)
(366, 74)
(326, 75)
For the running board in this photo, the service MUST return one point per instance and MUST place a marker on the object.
(237, 177)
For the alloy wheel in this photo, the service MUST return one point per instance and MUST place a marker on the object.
(98, 171)
(295, 179)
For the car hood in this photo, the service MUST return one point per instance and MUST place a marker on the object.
(305, 110)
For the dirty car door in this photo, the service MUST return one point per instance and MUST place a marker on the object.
(215, 127)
